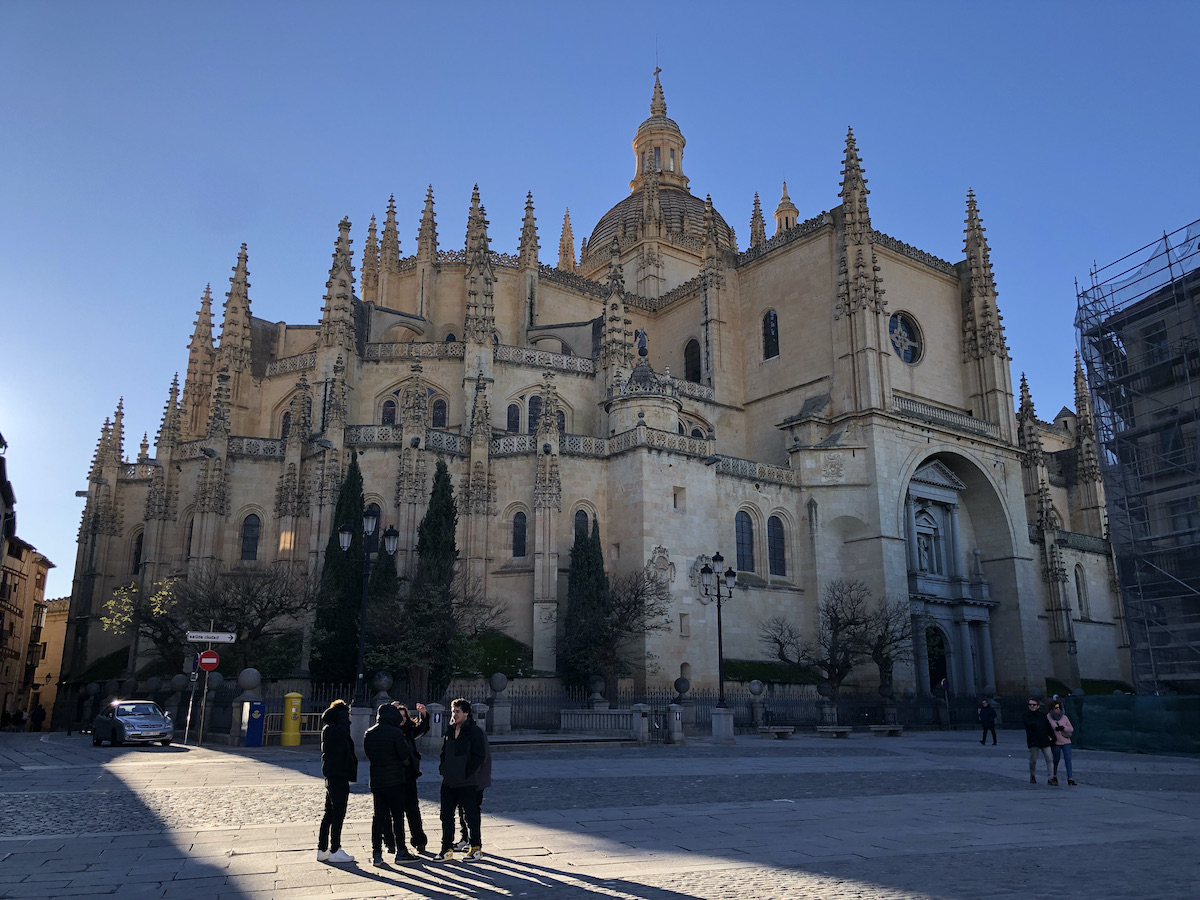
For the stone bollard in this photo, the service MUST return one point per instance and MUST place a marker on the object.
(674, 724)
(361, 718)
(432, 742)
(501, 718)
(640, 730)
(758, 706)
(480, 712)
(722, 725)
(382, 682)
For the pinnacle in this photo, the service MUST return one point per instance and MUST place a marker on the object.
(658, 102)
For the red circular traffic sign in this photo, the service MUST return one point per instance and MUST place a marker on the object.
(209, 660)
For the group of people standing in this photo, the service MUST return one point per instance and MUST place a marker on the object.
(395, 765)
(17, 720)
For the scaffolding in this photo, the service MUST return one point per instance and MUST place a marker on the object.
(1139, 337)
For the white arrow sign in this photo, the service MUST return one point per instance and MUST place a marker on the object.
(211, 637)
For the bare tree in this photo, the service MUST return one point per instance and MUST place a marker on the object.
(887, 638)
(838, 645)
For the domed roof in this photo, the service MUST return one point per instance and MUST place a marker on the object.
(683, 213)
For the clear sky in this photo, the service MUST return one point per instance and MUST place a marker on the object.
(142, 143)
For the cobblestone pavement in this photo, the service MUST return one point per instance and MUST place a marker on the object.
(924, 816)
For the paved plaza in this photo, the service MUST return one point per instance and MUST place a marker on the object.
(923, 816)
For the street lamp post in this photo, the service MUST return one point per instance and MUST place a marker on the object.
(706, 580)
(391, 539)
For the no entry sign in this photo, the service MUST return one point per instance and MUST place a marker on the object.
(209, 660)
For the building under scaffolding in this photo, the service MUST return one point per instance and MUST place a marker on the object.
(1139, 331)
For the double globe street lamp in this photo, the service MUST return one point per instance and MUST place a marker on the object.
(706, 582)
(391, 539)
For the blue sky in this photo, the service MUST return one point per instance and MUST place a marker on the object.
(142, 143)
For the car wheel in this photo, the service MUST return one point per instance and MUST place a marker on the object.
(116, 739)
(166, 743)
(96, 742)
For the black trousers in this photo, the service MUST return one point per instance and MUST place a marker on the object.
(986, 729)
(464, 835)
(337, 795)
(468, 798)
(412, 809)
(387, 819)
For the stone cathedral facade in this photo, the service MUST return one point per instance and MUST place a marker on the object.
(827, 403)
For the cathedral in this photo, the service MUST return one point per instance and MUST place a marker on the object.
(827, 403)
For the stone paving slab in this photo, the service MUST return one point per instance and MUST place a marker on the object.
(922, 817)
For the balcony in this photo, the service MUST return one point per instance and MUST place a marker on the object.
(943, 417)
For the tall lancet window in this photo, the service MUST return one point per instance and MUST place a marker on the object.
(389, 412)
(770, 329)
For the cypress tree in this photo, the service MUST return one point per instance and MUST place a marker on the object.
(587, 634)
(430, 632)
(335, 638)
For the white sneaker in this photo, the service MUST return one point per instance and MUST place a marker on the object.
(464, 846)
(475, 853)
(340, 856)
(322, 856)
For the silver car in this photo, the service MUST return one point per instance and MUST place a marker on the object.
(133, 722)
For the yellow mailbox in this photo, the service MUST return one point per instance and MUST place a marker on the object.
(291, 720)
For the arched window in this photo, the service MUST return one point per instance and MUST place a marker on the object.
(682, 430)
(691, 361)
(251, 527)
(744, 529)
(389, 413)
(1081, 594)
(518, 536)
(450, 338)
(439, 413)
(535, 414)
(770, 324)
(561, 418)
(581, 526)
(285, 426)
(137, 552)
(699, 433)
(776, 555)
(514, 418)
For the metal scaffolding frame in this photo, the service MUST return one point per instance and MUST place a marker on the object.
(1139, 336)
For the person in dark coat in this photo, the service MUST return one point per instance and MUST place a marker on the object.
(987, 719)
(339, 766)
(392, 766)
(483, 781)
(414, 725)
(464, 748)
(1039, 738)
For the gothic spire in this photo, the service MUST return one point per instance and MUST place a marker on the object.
(300, 424)
(854, 194)
(566, 245)
(168, 430)
(983, 331)
(1085, 439)
(481, 418)
(234, 348)
(1026, 410)
(197, 385)
(758, 226)
(389, 245)
(658, 102)
(427, 232)
(616, 275)
(370, 266)
(1083, 400)
(218, 416)
(786, 214)
(528, 254)
(1029, 437)
(100, 457)
(337, 316)
(473, 215)
(117, 437)
(710, 230)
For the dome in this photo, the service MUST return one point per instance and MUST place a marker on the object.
(683, 213)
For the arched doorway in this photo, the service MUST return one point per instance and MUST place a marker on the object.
(939, 661)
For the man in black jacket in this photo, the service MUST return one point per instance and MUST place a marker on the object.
(392, 767)
(339, 766)
(464, 749)
(1038, 737)
(987, 719)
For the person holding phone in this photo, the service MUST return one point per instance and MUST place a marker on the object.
(1061, 748)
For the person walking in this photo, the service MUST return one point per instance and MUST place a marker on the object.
(1038, 737)
(987, 720)
(1061, 748)
(37, 718)
(464, 749)
(414, 725)
(391, 759)
(339, 766)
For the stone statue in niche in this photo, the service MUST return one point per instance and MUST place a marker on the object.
(924, 553)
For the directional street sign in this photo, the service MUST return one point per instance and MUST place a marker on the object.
(209, 660)
(211, 637)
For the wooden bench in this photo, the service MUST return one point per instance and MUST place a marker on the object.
(782, 732)
(887, 730)
(834, 731)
